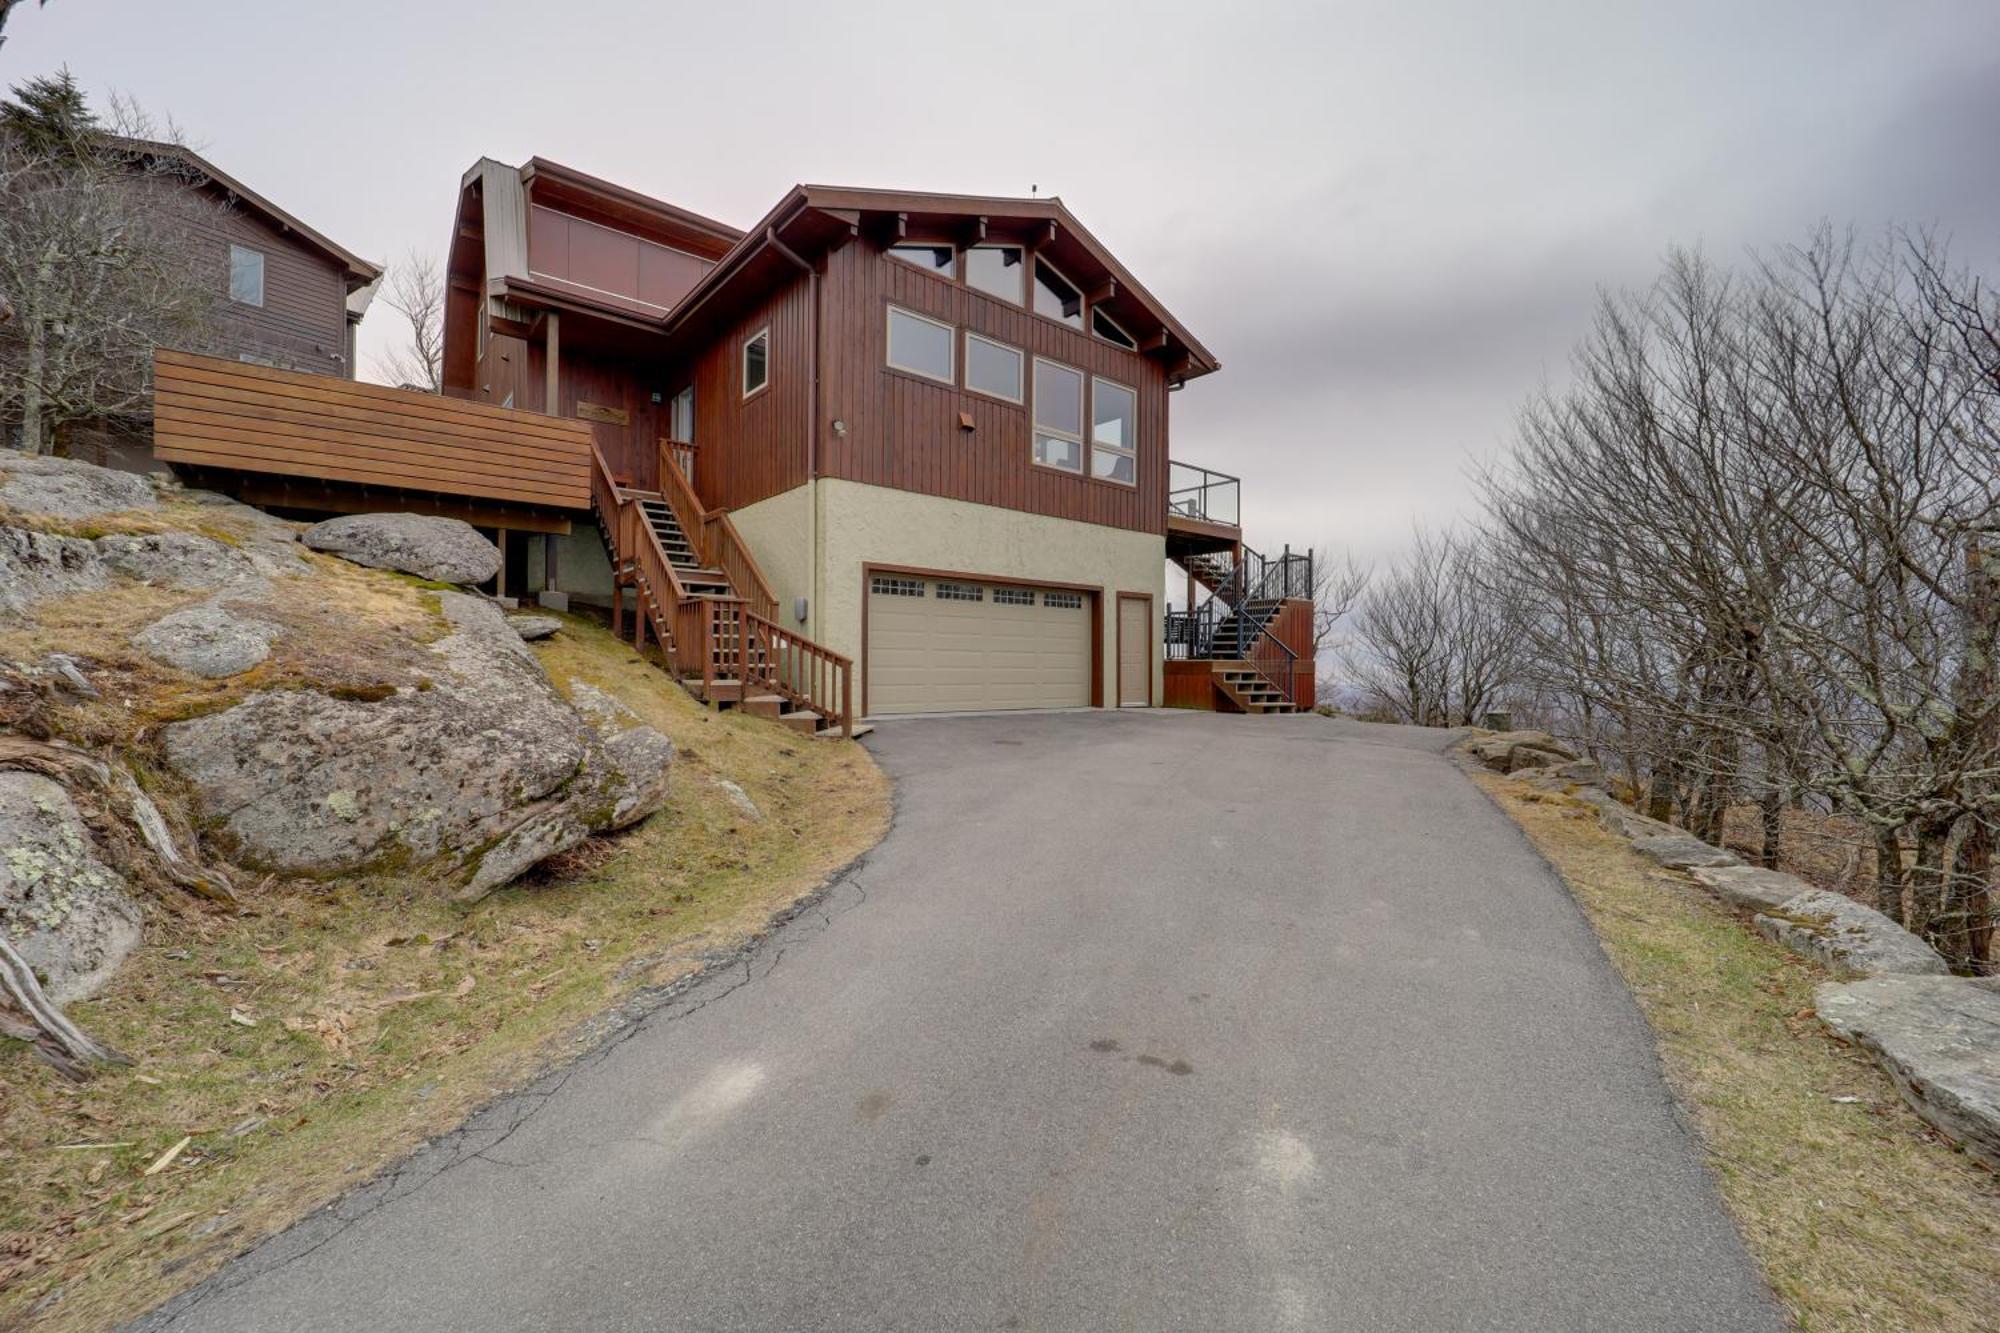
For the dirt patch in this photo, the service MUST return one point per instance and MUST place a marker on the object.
(316, 1037)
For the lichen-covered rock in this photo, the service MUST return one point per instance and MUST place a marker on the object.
(443, 549)
(179, 560)
(63, 489)
(1751, 888)
(479, 773)
(534, 627)
(66, 913)
(1847, 938)
(36, 566)
(207, 641)
(1513, 751)
(1939, 1040)
(1682, 851)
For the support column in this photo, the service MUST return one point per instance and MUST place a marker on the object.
(552, 394)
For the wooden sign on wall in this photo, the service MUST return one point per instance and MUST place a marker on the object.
(610, 416)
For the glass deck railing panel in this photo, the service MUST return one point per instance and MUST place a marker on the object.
(1195, 492)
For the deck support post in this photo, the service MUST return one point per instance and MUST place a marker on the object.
(617, 608)
(552, 392)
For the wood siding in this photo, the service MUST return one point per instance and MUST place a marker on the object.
(214, 413)
(754, 448)
(904, 431)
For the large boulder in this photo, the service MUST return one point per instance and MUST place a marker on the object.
(1681, 851)
(1513, 751)
(1751, 888)
(36, 566)
(477, 770)
(445, 550)
(63, 489)
(1848, 938)
(69, 915)
(1939, 1039)
(207, 641)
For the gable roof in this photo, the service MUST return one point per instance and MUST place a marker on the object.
(813, 217)
(359, 272)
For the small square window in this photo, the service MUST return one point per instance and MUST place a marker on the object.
(960, 592)
(1063, 601)
(246, 275)
(889, 585)
(756, 362)
(1013, 597)
(921, 346)
(992, 368)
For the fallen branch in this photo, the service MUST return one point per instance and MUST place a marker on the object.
(27, 1014)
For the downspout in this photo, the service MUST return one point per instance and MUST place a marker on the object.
(812, 427)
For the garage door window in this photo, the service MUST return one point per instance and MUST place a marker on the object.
(1063, 601)
(960, 592)
(895, 587)
(1013, 597)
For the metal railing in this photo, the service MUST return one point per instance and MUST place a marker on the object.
(1196, 492)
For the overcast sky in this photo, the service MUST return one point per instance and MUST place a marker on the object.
(1388, 221)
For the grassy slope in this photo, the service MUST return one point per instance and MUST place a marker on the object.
(383, 1015)
(1861, 1217)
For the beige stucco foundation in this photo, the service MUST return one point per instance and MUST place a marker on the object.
(814, 541)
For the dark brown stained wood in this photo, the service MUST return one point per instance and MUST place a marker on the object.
(755, 447)
(213, 413)
(904, 431)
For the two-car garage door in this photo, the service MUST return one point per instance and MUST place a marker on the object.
(951, 645)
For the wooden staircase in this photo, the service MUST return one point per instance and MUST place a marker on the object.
(697, 591)
(1232, 635)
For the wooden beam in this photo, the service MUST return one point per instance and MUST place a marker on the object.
(1157, 343)
(552, 394)
(1103, 291)
(972, 234)
(1047, 236)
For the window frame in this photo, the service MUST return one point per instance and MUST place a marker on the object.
(1036, 430)
(1083, 302)
(1097, 312)
(743, 363)
(236, 249)
(949, 273)
(1024, 299)
(950, 378)
(1130, 451)
(1020, 397)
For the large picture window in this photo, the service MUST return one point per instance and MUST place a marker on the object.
(997, 270)
(1114, 432)
(992, 368)
(1058, 416)
(1056, 296)
(919, 345)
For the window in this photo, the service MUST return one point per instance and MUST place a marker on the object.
(920, 346)
(992, 368)
(1013, 597)
(1114, 431)
(1106, 328)
(1057, 297)
(1058, 416)
(996, 270)
(756, 362)
(890, 586)
(960, 592)
(1063, 601)
(930, 258)
(246, 275)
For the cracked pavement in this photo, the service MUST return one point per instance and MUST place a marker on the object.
(1135, 1020)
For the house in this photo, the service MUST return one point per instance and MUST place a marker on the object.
(884, 452)
(286, 295)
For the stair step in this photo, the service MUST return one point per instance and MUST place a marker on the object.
(763, 705)
(833, 733)
(801, 721)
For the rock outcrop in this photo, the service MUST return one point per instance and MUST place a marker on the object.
(1513, 751)
(478, 774)
(1847, 938)
(207, 641)
(444, 550)
(69, 916)
(61, 489)
(1939, 1040)
(1750, 888)
(532, 628)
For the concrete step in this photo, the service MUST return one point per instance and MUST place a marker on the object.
(806, 724)
(763, 705)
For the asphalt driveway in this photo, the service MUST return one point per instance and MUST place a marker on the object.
(1135, 1021)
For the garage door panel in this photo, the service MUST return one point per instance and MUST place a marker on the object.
(933, 654)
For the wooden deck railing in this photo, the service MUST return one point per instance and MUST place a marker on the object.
(715, 638)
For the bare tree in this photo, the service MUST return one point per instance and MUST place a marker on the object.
(1434, 639)
(1337, 587)
(101, 258)
(415, 290)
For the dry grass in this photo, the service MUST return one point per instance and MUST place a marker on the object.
(381, 1015)
(1861, 1217)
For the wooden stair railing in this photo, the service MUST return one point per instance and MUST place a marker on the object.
(734, 637)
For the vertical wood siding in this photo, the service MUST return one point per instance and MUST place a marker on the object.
(904, 431)
(756, 447)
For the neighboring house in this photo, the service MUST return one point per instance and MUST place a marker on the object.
(286, 295)
(884, 452)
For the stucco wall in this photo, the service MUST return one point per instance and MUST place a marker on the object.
(858, 524)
